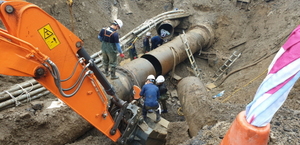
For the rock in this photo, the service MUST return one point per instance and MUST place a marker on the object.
(273, 137)
(277, 123)
(38, 107)
(25, 115)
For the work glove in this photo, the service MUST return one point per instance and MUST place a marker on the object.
(122, 55)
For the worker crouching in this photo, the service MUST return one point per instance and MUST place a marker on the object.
(163, 92)
(150, 94)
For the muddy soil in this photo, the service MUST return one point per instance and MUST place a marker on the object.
(256, 30)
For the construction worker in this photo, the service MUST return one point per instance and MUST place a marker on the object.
(110, 47)
(132, 52)
(155, 42)
(150, 94)
(146, 42)
(163, 92)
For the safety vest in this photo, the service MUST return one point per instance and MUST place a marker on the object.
(107, 34)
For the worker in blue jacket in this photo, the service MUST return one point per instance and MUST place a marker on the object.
(155, 42)
(150, 94)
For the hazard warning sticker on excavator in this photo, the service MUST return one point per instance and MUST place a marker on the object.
(49, 36)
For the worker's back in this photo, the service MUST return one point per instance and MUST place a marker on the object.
(156, 41)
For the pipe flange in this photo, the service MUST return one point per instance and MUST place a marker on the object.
(129, 74)
(208, 36)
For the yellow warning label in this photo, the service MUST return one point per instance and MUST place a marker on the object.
(49, 36)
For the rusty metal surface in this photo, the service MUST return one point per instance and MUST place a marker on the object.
(168, 25)
(133, 73)
(140, 68)
(159, 61)
(163, 58)
(194, 101)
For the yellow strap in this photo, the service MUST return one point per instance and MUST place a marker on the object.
(133, 43)
(244, 86)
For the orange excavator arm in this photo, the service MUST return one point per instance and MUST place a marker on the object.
(35, 44)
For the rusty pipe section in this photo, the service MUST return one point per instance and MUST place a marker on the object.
(167, 25)
(172, 53)
(193, 97)
(132, 73)
(161, 60)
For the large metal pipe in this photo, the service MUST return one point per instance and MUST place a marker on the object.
(198, 106)
(161, 60)
(133, 73)
(193, 97)
(167, 25)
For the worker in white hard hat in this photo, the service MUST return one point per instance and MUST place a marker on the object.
(151, 78)
(148, 34)
(150, 94)
(146, 42)
(118, 23)
(160, 83)
(110, 47)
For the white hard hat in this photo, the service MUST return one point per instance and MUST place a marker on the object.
(118, 22)
(151, 77)
(148, 34)
(160, 79)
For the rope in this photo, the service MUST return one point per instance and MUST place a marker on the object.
(244, 86)
(26, 92)
(16, 101)
(149, 23)
(70, 3)
(174, 64)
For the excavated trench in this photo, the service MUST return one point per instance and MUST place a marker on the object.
(157, 62)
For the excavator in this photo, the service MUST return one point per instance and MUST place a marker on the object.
(34, 44)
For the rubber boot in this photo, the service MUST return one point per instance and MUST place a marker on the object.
(106, 72)
(145, 118)
(113, 74)
(157, 116)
